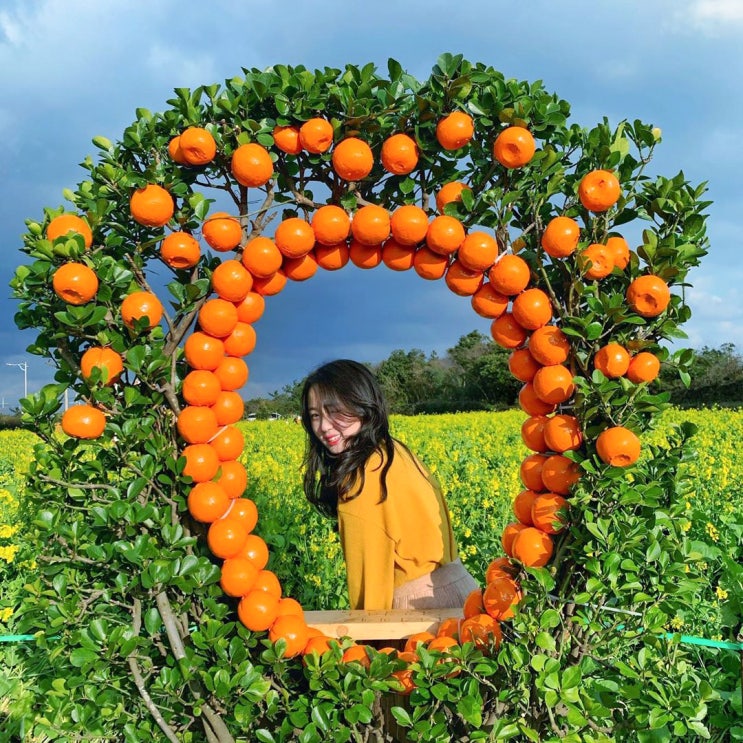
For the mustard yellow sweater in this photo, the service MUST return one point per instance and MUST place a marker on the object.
(402, 538)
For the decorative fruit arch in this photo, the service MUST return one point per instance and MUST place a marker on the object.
(468, 179)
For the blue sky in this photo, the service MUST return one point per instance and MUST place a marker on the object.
(73, 69)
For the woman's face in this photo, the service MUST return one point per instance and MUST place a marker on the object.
(333, 428)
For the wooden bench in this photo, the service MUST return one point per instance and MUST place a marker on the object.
(392, 624)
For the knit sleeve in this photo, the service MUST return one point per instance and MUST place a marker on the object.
(370, 565)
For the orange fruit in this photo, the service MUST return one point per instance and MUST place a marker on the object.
(509, 534)
(554, 384)
(83, 421)
(237, 576)
(226, 537)
(207, 502)
(222, 232)
(473, 603)
(648, 295)
(197, 146)
(599, 190)
(620, 252)
(549, 513)
(151, 206)
(293, 631)
(445, 234)
(482, 631)
(267, 580)
(245, 511)
(319, 644)
(416, 639)
(506, 332)
(409, 224)
(232, 373)
(141, 305)
(560, 237)
(643, 367)
(241, 341)
(228, 443)
(294, 237)
(110, 365)
(532, 547)
(352, 159)
(405, 675)
(356, 654)
(612, 360)
(510, 275)
(532, 309)
(289, 605)
(559, 474)
(371, 225)
(443, 644)
(174, 150)
(286, 138)
(316, 135)
(75, 283)
(530, 472)
(530, 403)
(270, 285)
(218, 317)
(399, 154)
(262, 257)
(500, 597)
(300, 269)
(331, 224)
(251, 308)
(532, 433)
(450, 193)
(365, 256)
(196, 424)
(501, 566)
(200, 387)
(202, 462)
(332, 257)
(228, 408)
(429, 265)
(461, 280)
(255, 549)
(618, 446)
(521, 506)
(597, 261)
(180, 250)
(257, 610)
(232, 477)
(455, 130)
(203, 351)
(549, 345)
(487, 302)
(397, 257)
(232, 281)
(514, 147)
(252, 165)
(563, 433)
(523, 365)
(65, 224)
(448, 628)
(478, 251)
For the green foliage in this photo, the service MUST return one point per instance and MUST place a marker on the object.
(146, 645)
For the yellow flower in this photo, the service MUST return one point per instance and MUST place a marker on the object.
(722, 594)
(8, 553)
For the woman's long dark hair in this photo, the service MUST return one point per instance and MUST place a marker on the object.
(348, 388)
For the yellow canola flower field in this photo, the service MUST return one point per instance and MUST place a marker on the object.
(475, 457)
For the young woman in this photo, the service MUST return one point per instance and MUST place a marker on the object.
(393, 521)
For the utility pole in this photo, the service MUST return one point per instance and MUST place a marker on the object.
(23, 366)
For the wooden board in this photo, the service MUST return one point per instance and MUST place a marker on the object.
(392, 624)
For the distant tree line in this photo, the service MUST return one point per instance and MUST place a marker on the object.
(474, 375)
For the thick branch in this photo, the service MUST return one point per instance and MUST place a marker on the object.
(139, 681)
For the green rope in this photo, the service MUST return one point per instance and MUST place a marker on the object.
(683, 639)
